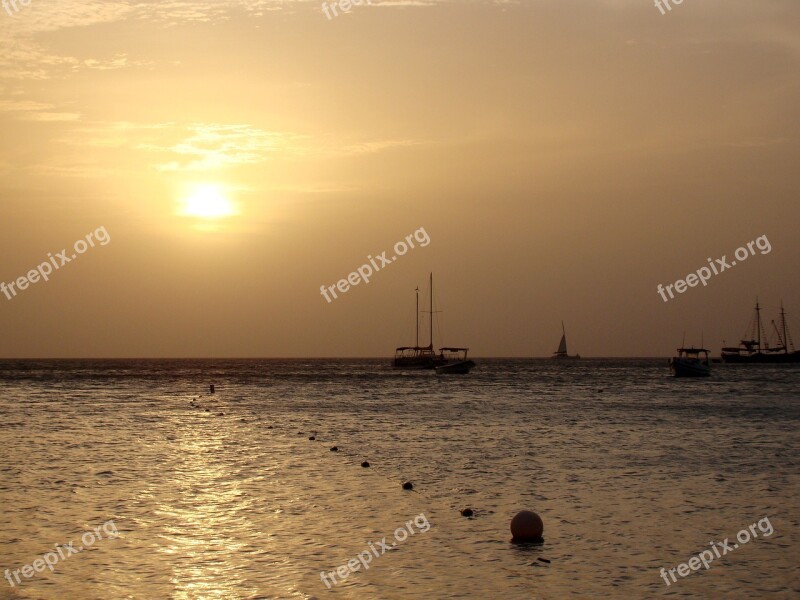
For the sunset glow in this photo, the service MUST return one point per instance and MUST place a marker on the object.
(207, 203)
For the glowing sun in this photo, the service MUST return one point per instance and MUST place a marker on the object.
(207, 203)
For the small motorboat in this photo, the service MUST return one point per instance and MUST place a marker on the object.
(690, 363)
(456, 363)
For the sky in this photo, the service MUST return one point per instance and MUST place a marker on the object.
(562, 158)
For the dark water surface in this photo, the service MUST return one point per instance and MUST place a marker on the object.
(630, 469)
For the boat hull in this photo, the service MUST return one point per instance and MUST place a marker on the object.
(416, 364)
(458, 368)
(761, 358)
(689, 368)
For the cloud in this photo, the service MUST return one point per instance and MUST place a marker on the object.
(377, 146)
(28, 110)
(213, 146)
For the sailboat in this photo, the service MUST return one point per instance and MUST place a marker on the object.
(448, 360)
(758, 350)
(562, 347)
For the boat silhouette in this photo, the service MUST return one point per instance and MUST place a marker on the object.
(757, 349)
(447, 361)
(562, 347)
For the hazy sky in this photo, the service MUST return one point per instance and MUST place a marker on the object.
(564, 156)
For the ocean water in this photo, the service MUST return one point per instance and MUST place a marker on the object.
(630, 469)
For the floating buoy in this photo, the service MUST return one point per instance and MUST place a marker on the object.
(466, 512)
(208, 410)
(527, 526)
(212, 389)
(312, 438)
(220, 414)
(365, 464)
(408, 485)
(335, 449)
(269, 427)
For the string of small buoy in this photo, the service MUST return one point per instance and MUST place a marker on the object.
(523, 521)
(526, 526)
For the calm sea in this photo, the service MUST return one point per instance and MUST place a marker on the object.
(631, 471)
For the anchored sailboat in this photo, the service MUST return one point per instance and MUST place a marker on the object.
(562, 347)
(448, 360)
(418, 357)
(758, 350)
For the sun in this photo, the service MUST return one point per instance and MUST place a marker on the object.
(207, 202)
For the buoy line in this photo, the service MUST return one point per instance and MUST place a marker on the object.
(447, 514)
(465, 512)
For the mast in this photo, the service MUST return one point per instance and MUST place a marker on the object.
(416, 316)
(758, 324)
(783, 326)
(431, 311)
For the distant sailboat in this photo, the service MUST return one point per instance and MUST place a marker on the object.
(562, 347)
(757, 349)
(448, 361)
(419, 357)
